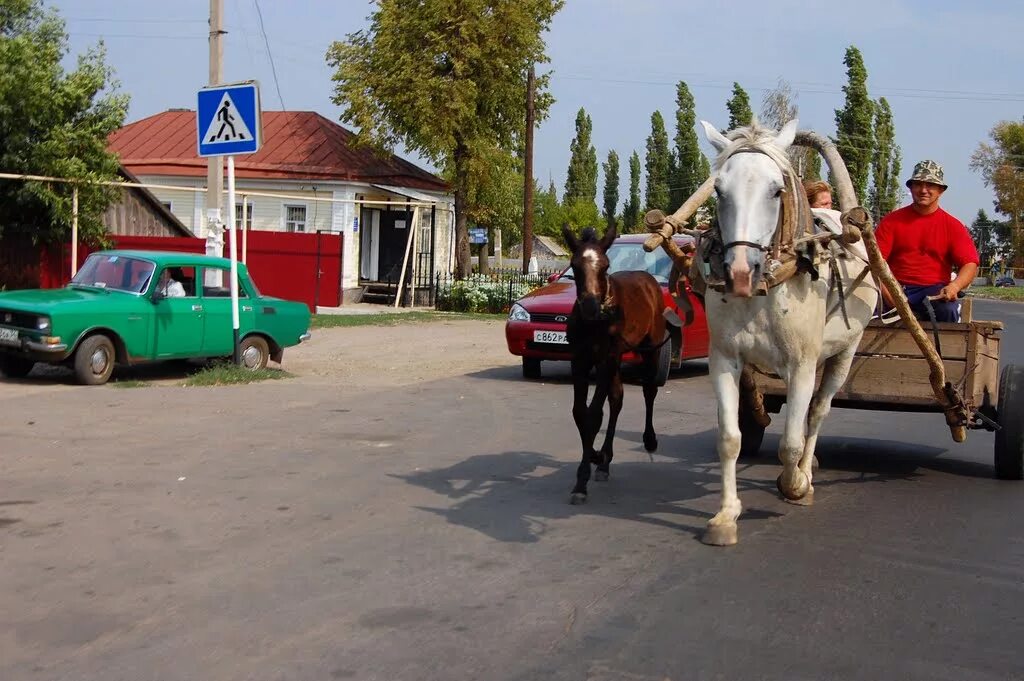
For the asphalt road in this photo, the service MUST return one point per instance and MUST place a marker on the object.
(314, 529)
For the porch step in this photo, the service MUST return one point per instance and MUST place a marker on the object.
(375, 297)
(378, 293)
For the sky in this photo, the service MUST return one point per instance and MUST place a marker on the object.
(950, 69)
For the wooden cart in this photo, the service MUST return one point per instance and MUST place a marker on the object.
(890, 373)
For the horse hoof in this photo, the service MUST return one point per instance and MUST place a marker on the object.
(578, 498)
(651, 443)
(601, 476)
(805, 500)
(793, 486)
(720, 535)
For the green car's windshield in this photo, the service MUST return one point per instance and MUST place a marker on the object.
(114, 272)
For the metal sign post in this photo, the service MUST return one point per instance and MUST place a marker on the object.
(228, 122)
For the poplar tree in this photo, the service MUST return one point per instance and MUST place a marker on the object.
(631, 210)
(854, 135)
(691, 168)
(657, 165)
(611, 187)
(885, 164)
(740, 113)
(581, 179)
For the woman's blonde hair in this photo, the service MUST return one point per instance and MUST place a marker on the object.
(815, 188)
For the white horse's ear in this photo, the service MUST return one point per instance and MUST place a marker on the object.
(717, 139)
(784, 140)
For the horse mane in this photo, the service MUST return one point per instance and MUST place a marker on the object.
(755, 137)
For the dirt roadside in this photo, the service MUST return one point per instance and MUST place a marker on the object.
(404, 354)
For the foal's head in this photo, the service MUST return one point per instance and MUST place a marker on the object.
(749, 188)
(590, 268)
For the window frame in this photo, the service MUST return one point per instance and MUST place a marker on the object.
(305, 218)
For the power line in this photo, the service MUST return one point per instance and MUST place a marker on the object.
(832, 89)
(270, 56)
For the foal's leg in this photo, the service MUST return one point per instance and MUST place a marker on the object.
(614, 407)
(650, 392)
(833, 377)
(725, 377)
(793, 482)
(581, 386)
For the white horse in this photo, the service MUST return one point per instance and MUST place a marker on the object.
(791, 330)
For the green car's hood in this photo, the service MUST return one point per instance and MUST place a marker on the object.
(48, 300)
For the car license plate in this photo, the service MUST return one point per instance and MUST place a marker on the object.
(9, 335)
(550, 337)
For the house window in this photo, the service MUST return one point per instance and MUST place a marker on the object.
(248, 215)
(295, 218)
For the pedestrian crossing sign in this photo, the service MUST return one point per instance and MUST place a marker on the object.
(228, 119)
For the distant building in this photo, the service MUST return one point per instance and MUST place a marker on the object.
(544, 248)
(307, 156)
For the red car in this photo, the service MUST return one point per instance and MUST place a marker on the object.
(535, 329)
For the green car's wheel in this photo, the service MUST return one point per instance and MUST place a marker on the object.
(94, 360)
(254, 352)
(15, 367)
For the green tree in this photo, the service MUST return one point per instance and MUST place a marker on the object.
(467, 67)
(548, 214)
(53, 122)
(1000, 164)
(691, 167)
(992, 237)
(657, 165)
(631, 209)
(885, 165)
(497, 199)
(581, 178)
(740, 113)
(854, 136)
(611, 187)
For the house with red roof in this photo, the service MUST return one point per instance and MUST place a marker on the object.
(317, 179)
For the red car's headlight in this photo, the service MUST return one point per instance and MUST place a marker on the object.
(518, 313)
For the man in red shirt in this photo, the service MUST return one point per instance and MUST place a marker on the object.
(923, 244)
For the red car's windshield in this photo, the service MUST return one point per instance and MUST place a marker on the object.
(625, 256)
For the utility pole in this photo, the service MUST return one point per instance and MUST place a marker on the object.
(531, 86)
(215, 167)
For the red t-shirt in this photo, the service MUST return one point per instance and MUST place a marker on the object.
(922, 250)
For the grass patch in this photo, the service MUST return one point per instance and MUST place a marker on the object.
(128, 383)
(226, 373)
(329, 321)
(1015, 293)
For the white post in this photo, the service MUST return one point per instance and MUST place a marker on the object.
(232, 239)
(74, 231)
(245, 233)
(405, 265)
(415, 242)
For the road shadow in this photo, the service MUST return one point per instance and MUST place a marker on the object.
(558, 373)
(514, 496)
(168, 371)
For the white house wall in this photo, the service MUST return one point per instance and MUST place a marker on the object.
(268, 213)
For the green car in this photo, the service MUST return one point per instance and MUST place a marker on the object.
(131, 307)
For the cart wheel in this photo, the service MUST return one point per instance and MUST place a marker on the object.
(1010, 436)
(664, 367)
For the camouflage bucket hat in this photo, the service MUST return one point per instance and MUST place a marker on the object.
(928, 171)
